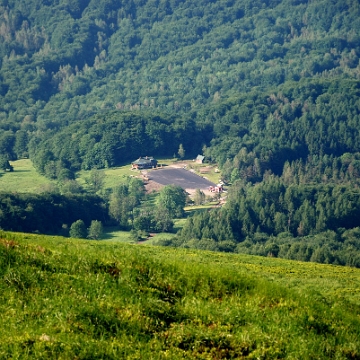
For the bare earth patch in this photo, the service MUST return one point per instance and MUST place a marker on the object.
(178, 165)
(152, 186)
(205, 169)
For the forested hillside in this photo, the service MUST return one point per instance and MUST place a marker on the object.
(306, 131)
(63, 60)
(267, 90)
(115, 138)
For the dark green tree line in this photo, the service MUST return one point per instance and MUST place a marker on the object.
(49, 213)
(301, 222)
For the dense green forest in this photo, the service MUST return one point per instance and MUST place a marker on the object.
(301, 222)
(62, 61)
(115, 138)
(268, 90)
(73, 212)
(305, 131)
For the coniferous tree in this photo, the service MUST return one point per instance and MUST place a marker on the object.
(181, 151)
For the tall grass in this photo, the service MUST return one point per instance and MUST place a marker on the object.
(68, 299)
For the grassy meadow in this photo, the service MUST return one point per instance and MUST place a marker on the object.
(24, 178)
(71, 299)
(113, 176)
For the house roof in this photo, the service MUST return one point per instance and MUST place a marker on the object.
(144, 161)
(200, 157)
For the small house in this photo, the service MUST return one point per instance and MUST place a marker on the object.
(144, 163)
(199, 159)
(216, 189)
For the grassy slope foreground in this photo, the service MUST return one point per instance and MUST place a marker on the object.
(63, 299)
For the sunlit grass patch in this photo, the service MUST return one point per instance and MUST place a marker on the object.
(193, 208)
(113, 176)
(64, 298)
(113, 234)
(24, 178)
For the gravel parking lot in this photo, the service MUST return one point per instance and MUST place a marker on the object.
(181, 177)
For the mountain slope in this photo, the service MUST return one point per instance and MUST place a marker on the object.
(64, 60)
(268, 90)
(64, 299)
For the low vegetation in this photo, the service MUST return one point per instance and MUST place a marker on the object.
(64, 298)
(24, 178)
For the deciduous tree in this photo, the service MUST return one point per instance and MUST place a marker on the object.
(181, 151)
(78, 229)
(95, 230)
(172, 198)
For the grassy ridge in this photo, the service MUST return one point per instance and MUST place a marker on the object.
(62, 299)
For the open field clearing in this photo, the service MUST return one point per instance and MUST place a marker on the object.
(113, 176)
(113, 234)
(24, 178)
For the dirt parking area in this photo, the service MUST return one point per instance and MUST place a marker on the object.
(188, 180)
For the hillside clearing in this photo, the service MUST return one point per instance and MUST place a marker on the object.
(24, 178)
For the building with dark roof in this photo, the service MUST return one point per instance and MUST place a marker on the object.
(144, 163)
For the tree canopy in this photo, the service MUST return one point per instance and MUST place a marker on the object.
(267, 90)
(62, 62)
(172, 199)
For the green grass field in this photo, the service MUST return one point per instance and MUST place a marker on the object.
(113, 176)
(24, 178)
(211, 174)
(113, 234)
(71, 299)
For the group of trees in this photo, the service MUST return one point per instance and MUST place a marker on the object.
(159, 217)
(124, 199)
(269, 90)
(340, 247)
(78, 230)
(272, 218)
(83, 214)
(49, 213)
(304, 131)
(115, 138)
(61, 63)
(311, 125)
